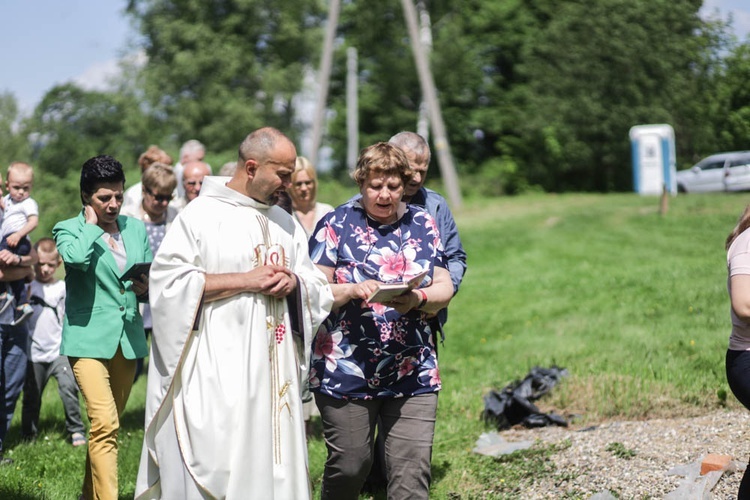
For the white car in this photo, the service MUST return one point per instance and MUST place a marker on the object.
(720, 172)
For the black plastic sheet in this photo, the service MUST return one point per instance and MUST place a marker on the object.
(514, 403)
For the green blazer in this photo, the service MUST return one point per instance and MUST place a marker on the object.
(101, 313)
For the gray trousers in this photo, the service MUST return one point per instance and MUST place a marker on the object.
(37, 376)
(408, 426)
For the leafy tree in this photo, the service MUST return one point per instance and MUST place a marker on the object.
(477, 48)
(72, 124)
(68, 127)
(220, 68)
(14, 146)
(733, 114)
(596, 70)
(540, 92)
(533, 92)
(699, 114)
(388, 88)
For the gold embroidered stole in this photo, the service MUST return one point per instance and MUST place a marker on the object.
(270, 253)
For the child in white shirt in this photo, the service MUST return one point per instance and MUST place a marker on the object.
(47, 294)
(21, 216)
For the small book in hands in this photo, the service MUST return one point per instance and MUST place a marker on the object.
(388, 291)
(135, 271)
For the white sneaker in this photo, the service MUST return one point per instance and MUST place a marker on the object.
(24, 312)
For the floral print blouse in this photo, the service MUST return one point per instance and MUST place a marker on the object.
(363, 350)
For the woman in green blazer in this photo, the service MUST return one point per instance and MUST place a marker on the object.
(103, 330)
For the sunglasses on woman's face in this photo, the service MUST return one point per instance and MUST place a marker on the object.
(163, 198)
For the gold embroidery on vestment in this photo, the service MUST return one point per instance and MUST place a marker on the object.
(268, 253)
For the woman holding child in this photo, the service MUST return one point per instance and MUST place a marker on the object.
(378, 361)
(102, 329)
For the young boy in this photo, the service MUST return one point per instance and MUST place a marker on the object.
(20, 218)
(47, 294)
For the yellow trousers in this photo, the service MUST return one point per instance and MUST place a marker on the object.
(105, 385)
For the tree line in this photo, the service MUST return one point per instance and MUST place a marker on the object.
(535, 94)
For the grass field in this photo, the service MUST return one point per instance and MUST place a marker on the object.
(632, 303)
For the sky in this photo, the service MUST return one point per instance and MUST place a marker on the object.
(48, 42)
(44, 43)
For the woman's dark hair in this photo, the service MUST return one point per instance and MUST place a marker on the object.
(101, 169)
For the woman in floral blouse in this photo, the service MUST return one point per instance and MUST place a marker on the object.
(378, 361)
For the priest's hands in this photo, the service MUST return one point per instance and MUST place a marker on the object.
(276, 281)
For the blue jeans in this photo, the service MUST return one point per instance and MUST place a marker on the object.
(13, 359)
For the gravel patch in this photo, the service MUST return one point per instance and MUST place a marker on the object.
(586, 467)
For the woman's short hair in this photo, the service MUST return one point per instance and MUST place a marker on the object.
(383, 159)
(153, 155)
(159, 178)
(101, 169)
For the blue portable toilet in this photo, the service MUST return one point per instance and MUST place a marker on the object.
(654, 163)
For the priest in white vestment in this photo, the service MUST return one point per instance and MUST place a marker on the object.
(230, 283)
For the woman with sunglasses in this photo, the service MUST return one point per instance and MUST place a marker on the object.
(158, 183)
(133, 195)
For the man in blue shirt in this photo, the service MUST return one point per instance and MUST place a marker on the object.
(418, 153)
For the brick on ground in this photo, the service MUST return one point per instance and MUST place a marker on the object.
(714, 462)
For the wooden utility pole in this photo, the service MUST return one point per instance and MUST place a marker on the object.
(427, 83)
(325, 76)
(445, 160)
(352, 109)
(425, 36)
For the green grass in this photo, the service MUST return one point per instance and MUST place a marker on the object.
(620, 451)
(51, 468)
(632, 303)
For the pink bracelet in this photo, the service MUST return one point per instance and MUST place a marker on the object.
(424, 298)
